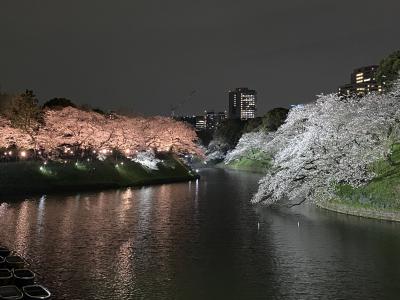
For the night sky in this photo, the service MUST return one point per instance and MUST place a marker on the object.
(144, 56)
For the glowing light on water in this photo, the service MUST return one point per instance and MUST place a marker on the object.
(41, 211)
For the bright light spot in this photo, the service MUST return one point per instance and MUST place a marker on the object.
(45, 171)
(23, 154)
(197, 170)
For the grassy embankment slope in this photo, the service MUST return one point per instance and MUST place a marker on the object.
(256, 161)
(33, 176)
(380, 198)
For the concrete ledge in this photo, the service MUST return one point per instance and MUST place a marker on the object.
(361, 212)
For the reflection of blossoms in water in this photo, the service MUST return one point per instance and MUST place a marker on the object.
(147, 159)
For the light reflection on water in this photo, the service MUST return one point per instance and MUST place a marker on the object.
(199, 240)
(22, 228)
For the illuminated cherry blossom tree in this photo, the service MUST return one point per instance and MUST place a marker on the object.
(11, 136)
(249, 144)
(71, 130)
(147, 159)
(328, 142)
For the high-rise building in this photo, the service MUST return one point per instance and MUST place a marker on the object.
(242, 104)
(213, 120)
(362, 82)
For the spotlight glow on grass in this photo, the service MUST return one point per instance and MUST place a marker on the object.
(81, 166)
(45, 171)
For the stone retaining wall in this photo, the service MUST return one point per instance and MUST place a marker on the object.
(361, 212)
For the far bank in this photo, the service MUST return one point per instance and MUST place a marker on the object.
(30, 177)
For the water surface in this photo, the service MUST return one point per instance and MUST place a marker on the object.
(199, 240)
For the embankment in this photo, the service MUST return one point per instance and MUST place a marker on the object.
(37, 177)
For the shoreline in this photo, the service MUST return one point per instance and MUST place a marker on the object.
(384, 215)
(33, 178)
(229, 167)
(94, 187)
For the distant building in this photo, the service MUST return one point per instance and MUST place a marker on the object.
(213, 120)
(362, 82)
(209, 121)
(200, 123)
(220, 117)
(242, 104)
(191, 120)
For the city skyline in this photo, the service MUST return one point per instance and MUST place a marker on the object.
(362, 81)
(146, 57)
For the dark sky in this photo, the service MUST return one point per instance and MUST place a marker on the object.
(146, 55)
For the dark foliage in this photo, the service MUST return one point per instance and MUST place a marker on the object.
(389, 68)
(58, 103)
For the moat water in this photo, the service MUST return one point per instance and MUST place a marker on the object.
(199, 240)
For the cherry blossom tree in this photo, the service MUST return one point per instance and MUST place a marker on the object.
(328, 142)
(249, 145)
(147, 159)
(71, 130)
(13, 137)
